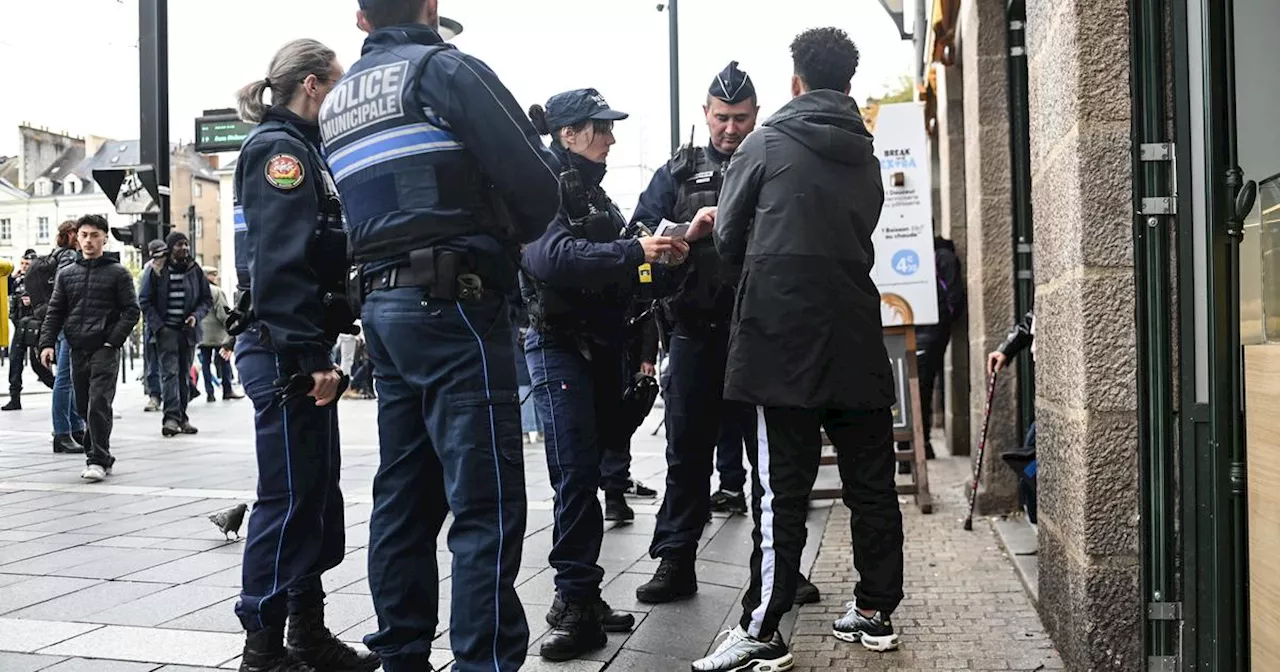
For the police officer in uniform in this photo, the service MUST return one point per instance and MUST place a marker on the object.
(291, 266)
(698, 315)
(582, 278)
(442, 178)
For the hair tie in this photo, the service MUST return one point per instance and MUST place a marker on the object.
(268, 82)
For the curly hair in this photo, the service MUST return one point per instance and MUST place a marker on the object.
(67, 233)
(825, 58)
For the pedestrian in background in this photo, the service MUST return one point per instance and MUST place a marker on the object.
(158, 253)
(175, 298)
(26, 335)
(68, 425)
(95, 308)
(213, 334)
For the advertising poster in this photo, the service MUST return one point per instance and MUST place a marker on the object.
(904, 270)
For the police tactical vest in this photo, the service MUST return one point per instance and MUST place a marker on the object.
(406, 180)
(699, 185)
(554, 309)
(702, 300)
(328, 251)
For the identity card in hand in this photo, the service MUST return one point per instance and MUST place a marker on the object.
(672, 230)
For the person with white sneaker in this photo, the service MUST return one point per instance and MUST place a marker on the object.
(95, 306)
(796, 214)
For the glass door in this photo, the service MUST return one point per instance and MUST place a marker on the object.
(1257, 25)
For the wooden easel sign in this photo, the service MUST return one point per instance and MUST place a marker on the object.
(907, 418)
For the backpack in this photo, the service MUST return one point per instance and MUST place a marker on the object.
(40, 279)
(952, 297)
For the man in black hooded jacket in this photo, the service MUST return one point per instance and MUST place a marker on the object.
(800, 201)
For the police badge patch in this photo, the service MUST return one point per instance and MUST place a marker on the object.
(284, 171)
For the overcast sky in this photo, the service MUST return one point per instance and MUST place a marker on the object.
(73, 64)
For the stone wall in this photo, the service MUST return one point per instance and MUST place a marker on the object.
(988, 239)
(951, 225)
(1086, 382)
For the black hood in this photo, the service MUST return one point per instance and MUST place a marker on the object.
(828, 123)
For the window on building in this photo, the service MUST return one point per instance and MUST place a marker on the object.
(72, 186)
(6, 230)
(42, 229)
(199, 227)
(44, 187)
(197, 188)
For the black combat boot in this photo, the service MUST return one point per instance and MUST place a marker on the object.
(79, 437)
(806, 592)
(616, 508)
(311, 642)
(610, 620)
(15, 402)
(578, 632)
(63, 444)
(675, 579)
(264, 652)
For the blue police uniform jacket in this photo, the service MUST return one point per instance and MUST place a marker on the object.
(284, 201)
(422, 139)
(701, 293)
(597, 280)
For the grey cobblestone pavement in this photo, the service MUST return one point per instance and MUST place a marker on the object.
(130, 576)
(965, 608)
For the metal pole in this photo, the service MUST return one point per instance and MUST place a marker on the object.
(1155, 209)
(153, 55)
(1238, 502)
(1020, 174)
(673, 22)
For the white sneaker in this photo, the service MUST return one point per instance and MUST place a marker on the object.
(94, 473)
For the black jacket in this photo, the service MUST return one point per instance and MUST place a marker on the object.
(94, 303)
(952, 297)
(801, 198)
(1020, 337)
(153, 297)
(277, 232)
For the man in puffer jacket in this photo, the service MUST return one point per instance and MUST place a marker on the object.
(95, 308)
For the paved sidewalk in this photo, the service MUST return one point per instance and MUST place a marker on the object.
(130, 576)
(965, 608)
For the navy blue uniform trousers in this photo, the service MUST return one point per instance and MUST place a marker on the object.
(296, 531)
(694, 413)
(580, 403)
(449, 436)
(729, 451)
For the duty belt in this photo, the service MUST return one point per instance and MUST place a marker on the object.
(442, 274)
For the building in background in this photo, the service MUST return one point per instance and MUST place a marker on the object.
(51, 181)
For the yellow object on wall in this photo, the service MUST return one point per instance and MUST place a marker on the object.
(6, 269)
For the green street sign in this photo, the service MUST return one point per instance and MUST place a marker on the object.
(221, 133)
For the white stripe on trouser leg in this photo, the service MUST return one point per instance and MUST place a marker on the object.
(768, 558)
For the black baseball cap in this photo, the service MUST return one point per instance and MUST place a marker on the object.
(30, 254)
(574, 107)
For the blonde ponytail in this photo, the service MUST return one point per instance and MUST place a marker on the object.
(249, 101)
(292, 64)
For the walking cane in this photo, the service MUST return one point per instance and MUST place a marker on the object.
(982, 449)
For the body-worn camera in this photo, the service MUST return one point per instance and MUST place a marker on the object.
(586, 219)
